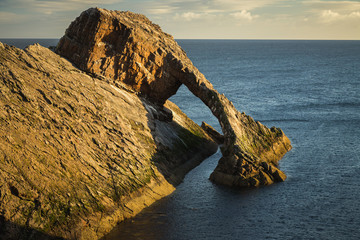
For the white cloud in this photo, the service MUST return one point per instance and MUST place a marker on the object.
(188, 16)
(204, 6)
(337, 6)
(74, 2)
(189, 10)
(329, 16)
(9, 17)
(213, 18)
(330, 12)
(244, 15)
(354, 15)
(160, 10)
(238, 5)
(52, 6)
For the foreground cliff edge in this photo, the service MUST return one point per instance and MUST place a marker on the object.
(78, 154)
(81, 151)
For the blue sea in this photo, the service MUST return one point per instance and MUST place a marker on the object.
(310, 89)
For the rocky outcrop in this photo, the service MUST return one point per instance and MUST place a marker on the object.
(127, 47)
(78, 153)
(219, 138)
(81, 151)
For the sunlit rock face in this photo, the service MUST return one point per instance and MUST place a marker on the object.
(89, 142)
(125, 47)
(129, 48)
(79, 154)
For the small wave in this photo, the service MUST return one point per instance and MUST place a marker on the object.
(319, 120)
(284, 120)
(331, 104)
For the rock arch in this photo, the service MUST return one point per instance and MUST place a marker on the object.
(127, 47)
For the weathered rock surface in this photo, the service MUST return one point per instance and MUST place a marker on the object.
(79, 154)
(127, 47)
(218, 137)
(81, 151)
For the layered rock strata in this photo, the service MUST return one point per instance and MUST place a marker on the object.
(218, 137)
(129, 48)
(79, 154)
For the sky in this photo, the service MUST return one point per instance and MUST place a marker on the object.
(195, 19)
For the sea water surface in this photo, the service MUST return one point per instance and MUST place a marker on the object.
(310, 89)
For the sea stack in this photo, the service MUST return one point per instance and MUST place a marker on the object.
(129, 48)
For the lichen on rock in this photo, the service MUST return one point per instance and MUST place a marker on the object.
(79, 154)
(89, 141)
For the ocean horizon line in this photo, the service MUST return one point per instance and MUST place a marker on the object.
(222, 39)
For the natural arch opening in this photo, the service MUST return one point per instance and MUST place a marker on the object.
(194, 108)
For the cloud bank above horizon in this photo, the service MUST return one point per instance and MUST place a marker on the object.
(195, 19)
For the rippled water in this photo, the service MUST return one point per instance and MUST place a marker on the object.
(311, 89)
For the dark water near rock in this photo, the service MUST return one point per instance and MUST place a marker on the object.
(311, 89)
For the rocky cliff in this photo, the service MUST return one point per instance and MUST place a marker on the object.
(79, 153)
(128, 48)
(84, 146)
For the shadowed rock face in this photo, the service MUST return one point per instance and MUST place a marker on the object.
(128, 48)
